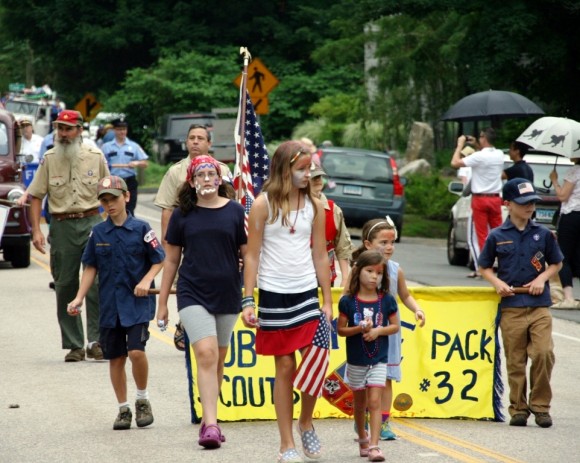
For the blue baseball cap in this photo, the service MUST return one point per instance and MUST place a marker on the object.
(519, 190)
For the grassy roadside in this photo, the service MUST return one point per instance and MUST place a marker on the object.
(416, 226)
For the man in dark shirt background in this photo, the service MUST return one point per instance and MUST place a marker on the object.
(520, 168)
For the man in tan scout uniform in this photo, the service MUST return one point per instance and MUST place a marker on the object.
(69, 173)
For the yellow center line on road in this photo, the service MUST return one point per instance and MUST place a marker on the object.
(471, 447)
(166, 337)
(439, 448)
(40, 263)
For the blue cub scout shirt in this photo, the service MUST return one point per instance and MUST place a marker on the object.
(522, 256)
(122, 256)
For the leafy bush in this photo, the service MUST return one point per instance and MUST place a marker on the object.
(153, 175)
(428, 197)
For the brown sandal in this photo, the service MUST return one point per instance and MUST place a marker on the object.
(375, 454)
(179, 337)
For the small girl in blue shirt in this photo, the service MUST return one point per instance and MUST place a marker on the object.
(368, 315)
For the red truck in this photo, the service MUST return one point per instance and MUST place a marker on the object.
(14, 222)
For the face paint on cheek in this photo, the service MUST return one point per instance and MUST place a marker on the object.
(298, 178)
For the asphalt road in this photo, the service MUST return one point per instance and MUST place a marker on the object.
(51, 411)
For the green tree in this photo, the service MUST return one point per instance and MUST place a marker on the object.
(187, 82)
(417, 72)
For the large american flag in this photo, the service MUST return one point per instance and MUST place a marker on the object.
(311, 372)
(255, 161)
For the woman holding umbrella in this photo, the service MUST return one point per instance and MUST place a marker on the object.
(568, 225)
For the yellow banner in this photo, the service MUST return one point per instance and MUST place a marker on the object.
(448, 366)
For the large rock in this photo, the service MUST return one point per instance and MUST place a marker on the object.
(418, 166)
(420, 144)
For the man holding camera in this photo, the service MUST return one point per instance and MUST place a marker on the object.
(486, 169)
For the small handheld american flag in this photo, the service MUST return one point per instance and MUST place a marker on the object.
(310, 375)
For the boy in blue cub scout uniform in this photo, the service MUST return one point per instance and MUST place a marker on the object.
(124, 156)
(528, 256)
(126, 255)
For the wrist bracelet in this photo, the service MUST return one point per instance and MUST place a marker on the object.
(251, 304)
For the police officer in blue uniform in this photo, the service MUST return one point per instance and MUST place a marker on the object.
(124, 156)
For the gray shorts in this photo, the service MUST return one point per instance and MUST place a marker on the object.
(360, 376)
(199, 324)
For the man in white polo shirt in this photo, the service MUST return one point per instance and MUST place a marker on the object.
(486, 169)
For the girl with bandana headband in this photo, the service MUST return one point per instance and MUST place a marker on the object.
(208, 229)
(287, 272)
(381, 234)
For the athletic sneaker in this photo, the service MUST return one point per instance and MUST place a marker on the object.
(386, 432)
(124, 418)
(144, 415)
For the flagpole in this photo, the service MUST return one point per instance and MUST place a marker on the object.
(243, 84)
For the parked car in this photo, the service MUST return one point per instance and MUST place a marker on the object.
(15, 238)
(542, 165)
(365, 184)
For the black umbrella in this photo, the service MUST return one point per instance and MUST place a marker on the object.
(492, 104)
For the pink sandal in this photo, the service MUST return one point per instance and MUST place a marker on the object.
(210, 436)
(363, 451)
(375, 454)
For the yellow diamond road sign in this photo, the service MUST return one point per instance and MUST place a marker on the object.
(260, 80)
(89, 107)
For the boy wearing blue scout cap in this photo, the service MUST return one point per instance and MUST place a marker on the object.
(528, 256)
(126, 255)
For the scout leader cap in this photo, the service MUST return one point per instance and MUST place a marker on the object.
(113, 185)
(519, 190)
(69, 117)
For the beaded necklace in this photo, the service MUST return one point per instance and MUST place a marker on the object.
(377, 342)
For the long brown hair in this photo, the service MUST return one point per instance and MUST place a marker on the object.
(366, 258)
(279, 183)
